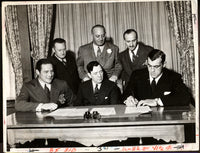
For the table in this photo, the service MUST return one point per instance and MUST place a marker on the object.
(165, 123)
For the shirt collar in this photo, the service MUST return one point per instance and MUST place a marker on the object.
(135, 50)
(42, 83)
(156, 79)
(94, 85)
(60, 59)
(96, 47)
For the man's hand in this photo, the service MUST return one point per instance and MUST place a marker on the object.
(131, 101)
(148, 102)
(86, 79)
(113, 78)
(62, 98)
(49, 106)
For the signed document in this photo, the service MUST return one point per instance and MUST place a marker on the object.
(68, 112)
(139, 110)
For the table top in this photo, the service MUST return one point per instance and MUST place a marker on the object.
(158, 116)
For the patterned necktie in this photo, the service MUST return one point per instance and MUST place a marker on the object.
(96, 91)
(98, 52)
(46, 89)
(153, 85)
(133, 56)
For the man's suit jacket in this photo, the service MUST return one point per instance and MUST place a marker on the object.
(128, 66)
(108, 94)
(170, 88)
(109, 59)
(32, 94)
(68, 72)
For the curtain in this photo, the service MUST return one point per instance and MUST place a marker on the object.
(180, 17)
(40, 24)
(13, 45)
(150, 19)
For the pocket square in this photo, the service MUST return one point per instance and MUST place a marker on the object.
(167, 93)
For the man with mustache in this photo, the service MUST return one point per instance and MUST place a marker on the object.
(134, 56)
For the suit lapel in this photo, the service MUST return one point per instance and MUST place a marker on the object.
(54, 91)
(147, 82)
(40, 91)
(128, 59)
(105, 55)
(91, 49)
(90, 91)
(161, 81)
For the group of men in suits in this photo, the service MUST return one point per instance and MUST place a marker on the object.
(93, 79)
(99, 66)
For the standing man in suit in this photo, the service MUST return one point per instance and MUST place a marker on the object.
(65, 64)
(97, 90)
(44, 92)
(156, 85)
(103, 52)
(134, 56)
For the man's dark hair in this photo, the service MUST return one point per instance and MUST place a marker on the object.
(155, 53)
(91, 65)
(58, 40)
(99, 26)
(41, 62)
(128, 31)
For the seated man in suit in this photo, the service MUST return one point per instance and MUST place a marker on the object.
(156, 85)
(134, 57)
(103, 52)
(44, 92)
(64, 62)
(97, 90)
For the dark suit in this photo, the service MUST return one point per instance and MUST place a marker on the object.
(170, 88)
(67, 72)
(109, 59)
(108, 94)
(32, 94)
(129, 66)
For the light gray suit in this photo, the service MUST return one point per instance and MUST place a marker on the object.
(109, 59)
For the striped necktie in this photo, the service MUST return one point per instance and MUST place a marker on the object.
(98, 52)
(133, 56)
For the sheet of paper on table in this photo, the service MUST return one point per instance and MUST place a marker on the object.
(105, 111)
(140, 110)
(70, 112)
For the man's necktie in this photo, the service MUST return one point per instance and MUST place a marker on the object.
(98, 52)
(64, 62)
(96, 91)
(133, 56)
(46, 89)
(153, 85)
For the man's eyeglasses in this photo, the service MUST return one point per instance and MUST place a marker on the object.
(155, 66)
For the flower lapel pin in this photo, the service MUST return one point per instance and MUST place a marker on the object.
(109, 51)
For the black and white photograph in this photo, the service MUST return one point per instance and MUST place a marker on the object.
(100, 76)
